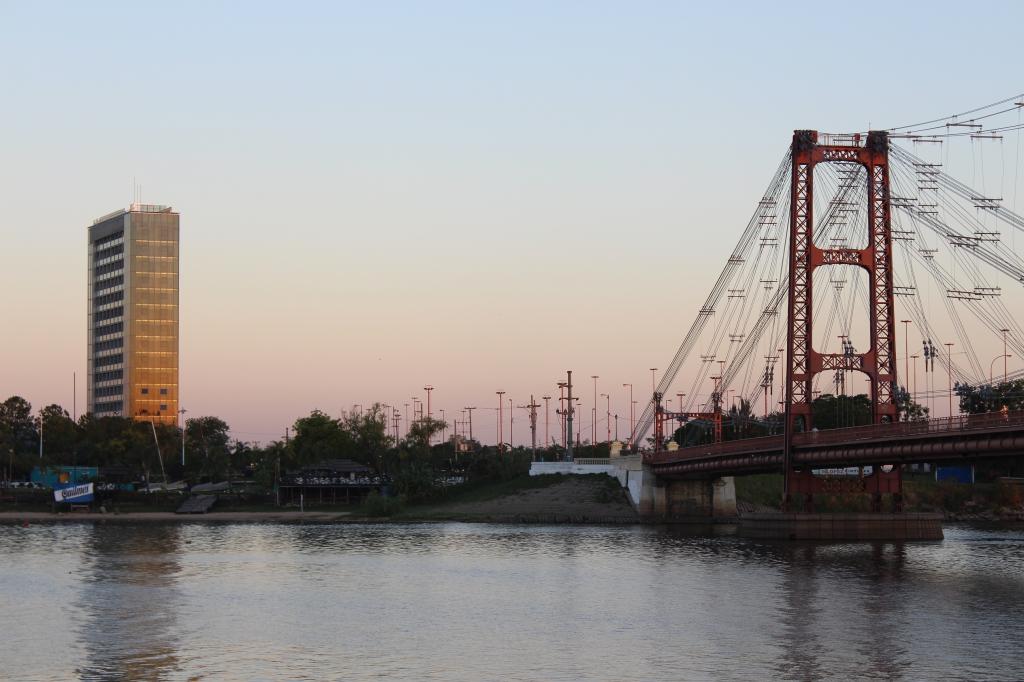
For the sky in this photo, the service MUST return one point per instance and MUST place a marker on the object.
(375, 197)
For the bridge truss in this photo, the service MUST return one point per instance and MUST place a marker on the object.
(931, 248)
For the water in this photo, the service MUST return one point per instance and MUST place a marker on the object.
(482, 602)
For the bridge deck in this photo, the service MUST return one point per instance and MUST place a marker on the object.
(975, 436)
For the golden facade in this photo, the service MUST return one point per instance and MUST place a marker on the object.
(133, 314)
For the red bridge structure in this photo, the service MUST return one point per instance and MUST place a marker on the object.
(856, 230)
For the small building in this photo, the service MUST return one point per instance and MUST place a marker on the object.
(331, 481)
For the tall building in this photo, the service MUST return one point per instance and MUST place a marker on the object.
(133, 314)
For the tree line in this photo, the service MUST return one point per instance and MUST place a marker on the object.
(132, 450)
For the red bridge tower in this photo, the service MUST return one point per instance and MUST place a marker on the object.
(803, 362)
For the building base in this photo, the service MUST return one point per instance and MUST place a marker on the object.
(783, 526)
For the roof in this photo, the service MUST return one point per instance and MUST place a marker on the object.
(340, 466)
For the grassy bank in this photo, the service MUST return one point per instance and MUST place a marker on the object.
(921, 493)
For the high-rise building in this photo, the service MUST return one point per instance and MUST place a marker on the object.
(133, 314)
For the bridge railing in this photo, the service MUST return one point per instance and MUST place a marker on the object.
(966, 422)
(961, 423)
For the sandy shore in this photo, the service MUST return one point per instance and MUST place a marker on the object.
(228, 516)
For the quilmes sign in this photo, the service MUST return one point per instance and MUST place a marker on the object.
(74, 494)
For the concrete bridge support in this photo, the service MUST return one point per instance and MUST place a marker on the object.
(687, 500)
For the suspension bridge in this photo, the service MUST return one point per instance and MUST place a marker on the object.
(855, 234)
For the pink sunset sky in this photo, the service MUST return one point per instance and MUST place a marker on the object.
(377, 198)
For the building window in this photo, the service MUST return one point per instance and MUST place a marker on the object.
(163, 407)
(145, 391)
(163, 391)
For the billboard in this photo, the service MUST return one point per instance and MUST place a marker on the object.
(75, 494)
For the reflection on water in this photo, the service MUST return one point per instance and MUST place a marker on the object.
(128, 601)
(471, 602)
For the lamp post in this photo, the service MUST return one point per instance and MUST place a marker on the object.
(906, 346)
(913, 390)
(1004, 356)
(182, 426)
(653, 370)
(501, 439)
(949, 358)
(546, 414)
(593, 411)
(629, 441)
(608, 414)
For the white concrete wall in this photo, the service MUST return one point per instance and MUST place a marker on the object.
(542, 468)
(628, 471)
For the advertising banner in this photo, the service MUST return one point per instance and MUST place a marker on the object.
(75, 494)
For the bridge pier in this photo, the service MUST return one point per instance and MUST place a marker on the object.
(696, 500)
(841, 527)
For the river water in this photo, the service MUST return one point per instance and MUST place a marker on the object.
(495, 602)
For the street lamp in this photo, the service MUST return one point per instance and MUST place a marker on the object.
(501, 440)
(547, 413)
(949, 356)
(629, 441)
(608, 414)
(906, 346)
(182, 426)
(1004, 331)
(991, 364)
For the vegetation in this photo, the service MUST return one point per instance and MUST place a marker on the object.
(991, 397)
(137, 451)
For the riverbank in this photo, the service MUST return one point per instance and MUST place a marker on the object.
(547, 499)
(277, 516)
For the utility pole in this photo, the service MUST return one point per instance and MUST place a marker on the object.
(470, 410)
(561, 411)
(532, 407)
(501, 439)
(593, 410)
(511, 420)
(568, 417)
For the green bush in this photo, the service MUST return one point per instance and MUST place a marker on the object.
(376, 505)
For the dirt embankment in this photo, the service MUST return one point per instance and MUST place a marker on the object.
(582, 499)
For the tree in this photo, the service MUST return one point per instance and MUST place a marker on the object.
(368, 432)
(836, 412)
(319, 437)
(60, 435)
(420, 433)
(18, 426)
(208, 439)
(991, 397)
(907, 409)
